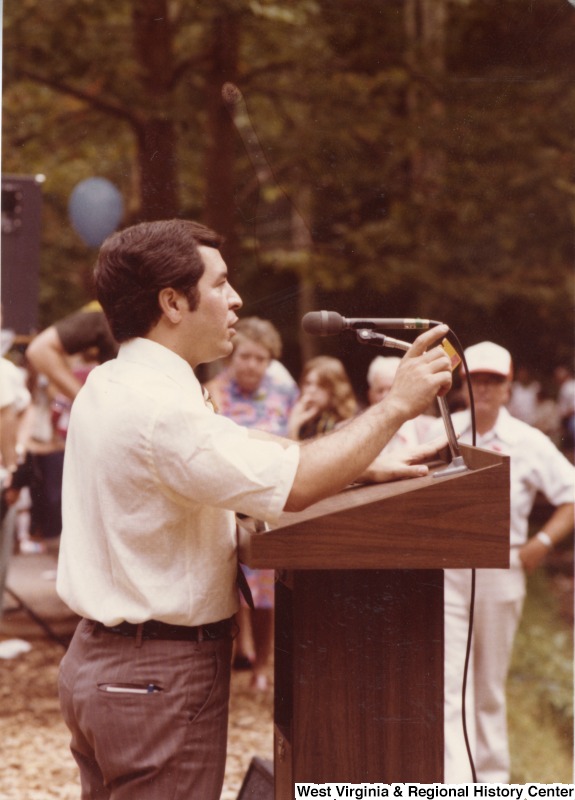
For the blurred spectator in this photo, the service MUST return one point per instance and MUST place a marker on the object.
(14, 401)
(46, 450)
(566, 404)
(46, 444)
(85, 332)
(523, 398)
(547, 416)
(327, 398)
(380, 375)
(255, 390)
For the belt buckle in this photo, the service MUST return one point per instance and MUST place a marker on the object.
(211, 631)
(207, 632)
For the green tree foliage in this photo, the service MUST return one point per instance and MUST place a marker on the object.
(425, 145)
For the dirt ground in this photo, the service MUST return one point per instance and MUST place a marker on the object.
(36, 763)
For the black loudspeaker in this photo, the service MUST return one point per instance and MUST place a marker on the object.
(259, 781)
(21, 227)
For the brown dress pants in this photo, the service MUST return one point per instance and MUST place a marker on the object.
(148, 719)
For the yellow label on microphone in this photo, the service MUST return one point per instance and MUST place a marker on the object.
(452, 353)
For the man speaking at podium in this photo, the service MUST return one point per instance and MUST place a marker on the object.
(152, 481)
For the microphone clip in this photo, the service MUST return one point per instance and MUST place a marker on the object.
(368, 336)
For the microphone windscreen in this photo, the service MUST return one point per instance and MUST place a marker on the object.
(323, 323)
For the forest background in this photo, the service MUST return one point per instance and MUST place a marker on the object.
(416, 159)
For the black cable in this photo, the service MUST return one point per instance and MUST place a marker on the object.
(455, 341)
(465, 675)
(452, 337)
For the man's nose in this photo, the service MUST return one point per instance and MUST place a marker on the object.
(235, 301)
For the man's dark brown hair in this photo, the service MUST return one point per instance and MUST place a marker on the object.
(136, 263)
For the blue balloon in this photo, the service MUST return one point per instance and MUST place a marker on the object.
(95, 209)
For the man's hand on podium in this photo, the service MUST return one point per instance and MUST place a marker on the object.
(404, 463)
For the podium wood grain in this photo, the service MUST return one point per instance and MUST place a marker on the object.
(357, 683)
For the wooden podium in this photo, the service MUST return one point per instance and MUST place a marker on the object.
(359, 621)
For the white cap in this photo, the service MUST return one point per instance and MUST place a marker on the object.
(489, 357)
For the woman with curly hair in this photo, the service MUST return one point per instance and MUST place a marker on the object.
(327, 398)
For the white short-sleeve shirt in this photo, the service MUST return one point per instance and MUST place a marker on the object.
(152, 481)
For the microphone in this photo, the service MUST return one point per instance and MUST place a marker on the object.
(327, 323)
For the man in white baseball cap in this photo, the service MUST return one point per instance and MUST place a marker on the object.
(489, 357)
(536, 466)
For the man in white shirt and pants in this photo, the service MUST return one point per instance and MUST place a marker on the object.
(536, 466)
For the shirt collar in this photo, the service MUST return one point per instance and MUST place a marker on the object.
(156, 356)
(504, 430)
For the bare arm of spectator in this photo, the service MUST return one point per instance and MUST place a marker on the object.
(47, 355)
(8, 428)
(558, 527)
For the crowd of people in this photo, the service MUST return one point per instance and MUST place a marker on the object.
(148, 550)
(546, 405)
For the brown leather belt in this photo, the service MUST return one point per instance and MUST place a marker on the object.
(152, 629)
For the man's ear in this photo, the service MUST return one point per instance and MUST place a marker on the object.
(172, 303)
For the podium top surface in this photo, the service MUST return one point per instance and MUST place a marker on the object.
(433, 522)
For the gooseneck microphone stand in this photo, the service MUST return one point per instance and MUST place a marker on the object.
(457, 464)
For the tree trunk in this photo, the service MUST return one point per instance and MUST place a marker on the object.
(425, 23)
(156, 133)
(157, 168)
(220, 157)
(302, 243)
